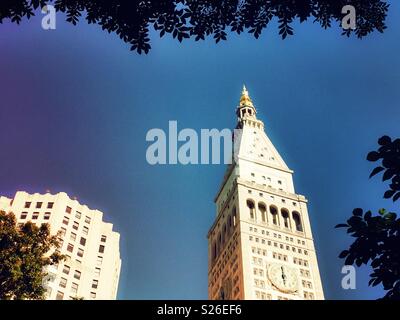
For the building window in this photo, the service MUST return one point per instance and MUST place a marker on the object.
(80, 252)
(68, 209)
(101, 249)
(85, 230)
(263, 210)
(99, 260)
(274, 213)
(27, 205)
(73, 236)
(95, 283)
(50, 205)
(63, 283)
(39, 205)
(93, 295)
(65, 221)
(83, 241)
(35, 215)
(47, 215)
(103, 238)
(286, 220)
(78, 215)
(250, 205)
(74, 288)
(24, 215)
(87, 219)
(62, 232)
(297, 221)
(66, 269)
(60, 295)
(97, 272)
(70, 247)
(77, 274)
(75, 226)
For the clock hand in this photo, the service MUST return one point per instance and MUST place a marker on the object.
(283, 275)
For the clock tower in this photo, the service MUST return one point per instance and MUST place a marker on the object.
(260, 245)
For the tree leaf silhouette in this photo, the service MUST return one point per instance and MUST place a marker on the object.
(183, 19)
(377, 238)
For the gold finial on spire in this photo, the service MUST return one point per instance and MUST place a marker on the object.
(244, 91)
(245, 99)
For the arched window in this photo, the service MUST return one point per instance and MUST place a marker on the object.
(297, 221)
(285, 217)
(250, 205)
(274, 214)
(263, 211)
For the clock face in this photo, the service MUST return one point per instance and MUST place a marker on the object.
(283, 278)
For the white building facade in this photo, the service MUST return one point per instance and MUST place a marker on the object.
(261, 245)
(92, 267)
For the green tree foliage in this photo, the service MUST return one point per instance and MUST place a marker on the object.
(131, 20)
(25, 251)
(377, 238)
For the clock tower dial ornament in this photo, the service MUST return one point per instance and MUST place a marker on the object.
(261, 239)
(283, 278)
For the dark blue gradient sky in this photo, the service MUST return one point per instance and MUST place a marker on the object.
(76, 105)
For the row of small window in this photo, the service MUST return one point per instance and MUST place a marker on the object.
(280, 256)
(74, 286)
(283, 257)
(266, 178)
(308, 295)
(305, 273)
(257, 261)
(262, 295)
(277, 256)
(277, 235)
(39, 205)
(78, 215)
(282, 298)
(306, 284)
(35, 215)
(70, 248)
(77, 274)
(300, 262)
(258, 272)
(271, 196)
(259, 283)
(259, 251)
(76, 224)
(60, 295)
(281, 246)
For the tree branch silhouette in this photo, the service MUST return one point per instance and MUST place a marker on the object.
(377, 238)
(131, 20)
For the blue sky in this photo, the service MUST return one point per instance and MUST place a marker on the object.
(76, 106)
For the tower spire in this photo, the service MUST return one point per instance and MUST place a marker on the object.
(246, 107)
(244, 91)
(245, 99)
